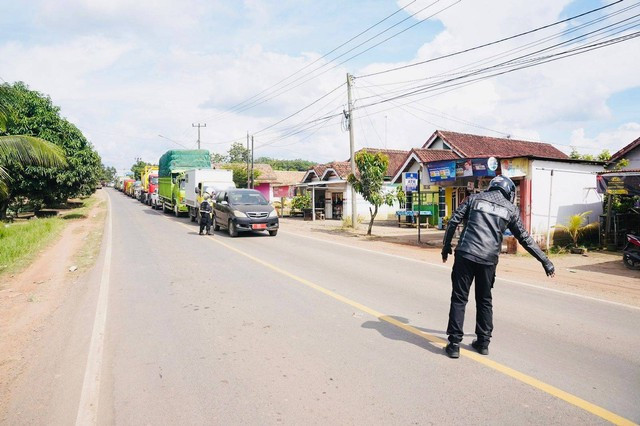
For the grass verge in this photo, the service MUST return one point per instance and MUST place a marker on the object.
(21, 241)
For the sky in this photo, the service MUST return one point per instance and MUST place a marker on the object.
(134, 76)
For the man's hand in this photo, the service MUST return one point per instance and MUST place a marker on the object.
(446, 251)
(549, 269)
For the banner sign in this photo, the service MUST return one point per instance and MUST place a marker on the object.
(481, 167)
(441, 170)
(619, 184)
(514, 167)
(410, 181)
(281, 191)
(464, 168)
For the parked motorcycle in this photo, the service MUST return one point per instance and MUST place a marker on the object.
(631, 252)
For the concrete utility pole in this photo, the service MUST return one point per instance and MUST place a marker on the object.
(248, 177)
(198, 126)
(252, 183)
(354, 207)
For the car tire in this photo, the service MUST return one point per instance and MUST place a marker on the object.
(233, 231)
(216, 227)
(273, 233)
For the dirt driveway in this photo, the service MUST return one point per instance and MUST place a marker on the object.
(598, 274)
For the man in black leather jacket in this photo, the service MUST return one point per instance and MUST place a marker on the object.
(206, 212)
(486, 216)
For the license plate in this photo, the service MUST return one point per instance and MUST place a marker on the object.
(259, 226)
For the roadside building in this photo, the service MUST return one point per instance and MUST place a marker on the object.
(331, 192)
(631, 153)
(455, 165)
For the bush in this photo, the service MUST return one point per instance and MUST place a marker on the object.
(589, 236)
(300, 202)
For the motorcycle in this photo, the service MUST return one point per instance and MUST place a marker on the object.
(631, 252)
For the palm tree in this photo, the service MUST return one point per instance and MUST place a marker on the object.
(22, 149)
(574, 226)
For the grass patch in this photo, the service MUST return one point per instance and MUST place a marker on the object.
(21, 241)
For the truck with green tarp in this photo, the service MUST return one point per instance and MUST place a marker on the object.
(171, 184)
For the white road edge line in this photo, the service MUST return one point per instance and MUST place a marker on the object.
(88, 407)
(553, 290)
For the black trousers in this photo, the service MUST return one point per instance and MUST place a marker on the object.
(205, 221)
(464, 272)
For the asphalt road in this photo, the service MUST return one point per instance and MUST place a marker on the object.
(293, 330)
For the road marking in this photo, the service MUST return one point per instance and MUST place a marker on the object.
(515, 374)
(396, 256)
(89, 398)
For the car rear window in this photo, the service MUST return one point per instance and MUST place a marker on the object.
(247, 198)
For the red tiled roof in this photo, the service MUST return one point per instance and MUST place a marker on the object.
(475, 146)
(285, 177)
(429, 155)
(342, 168)
(397, 158)
(624, 151)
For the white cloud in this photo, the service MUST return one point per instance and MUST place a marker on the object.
(613, 140)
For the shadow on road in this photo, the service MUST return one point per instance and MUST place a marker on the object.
(392, 332)
(613, 267)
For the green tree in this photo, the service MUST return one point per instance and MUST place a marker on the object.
(20, 149)
(605, 155)
(33, 114)
(138, 168)
(369, 183)
(238, 153)
(108, 174)
(218, 158)
(291, 165)
(240, 174)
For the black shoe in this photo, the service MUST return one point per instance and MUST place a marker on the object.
(200, 233)
(480, 348)
(453, 350)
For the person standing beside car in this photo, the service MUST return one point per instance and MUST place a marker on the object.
(486, 216)
(206, 211)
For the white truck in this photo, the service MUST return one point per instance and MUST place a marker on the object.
(199, 181)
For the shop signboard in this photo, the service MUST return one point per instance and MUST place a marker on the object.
(410, 181)
(514, 167)
(619, 184)
(464, 168)
(481, 167)
(281, 191)
(442, 171)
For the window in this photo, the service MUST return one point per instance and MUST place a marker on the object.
(247, 198)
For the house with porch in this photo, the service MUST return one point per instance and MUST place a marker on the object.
(331, 192)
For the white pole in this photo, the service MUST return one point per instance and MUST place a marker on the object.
(313, 203)
(549, 212)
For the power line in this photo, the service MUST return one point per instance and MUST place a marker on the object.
(489, 44)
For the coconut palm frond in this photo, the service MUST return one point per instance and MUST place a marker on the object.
(31, 150)
(4, 183)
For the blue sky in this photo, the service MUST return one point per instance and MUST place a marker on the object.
(125, 72)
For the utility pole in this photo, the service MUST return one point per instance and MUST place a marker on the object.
(198, 126)
(252, 183)
(354, 207)
(248, 177)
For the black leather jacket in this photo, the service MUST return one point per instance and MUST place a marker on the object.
(206, 208)
(486, 216)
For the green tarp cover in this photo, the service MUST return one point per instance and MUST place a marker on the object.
(183, 159)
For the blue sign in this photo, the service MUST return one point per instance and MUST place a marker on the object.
(482, 168)
(441, 170)
(410, 181)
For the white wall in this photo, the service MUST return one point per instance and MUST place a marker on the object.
(385, 212)
(572, 193)
(634, 159)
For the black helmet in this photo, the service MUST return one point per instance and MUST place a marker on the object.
(504, 185)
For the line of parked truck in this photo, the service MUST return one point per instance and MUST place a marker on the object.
(180, 181)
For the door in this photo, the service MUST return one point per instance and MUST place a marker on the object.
(220, 209)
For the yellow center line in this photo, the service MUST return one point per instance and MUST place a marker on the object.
(515, 374)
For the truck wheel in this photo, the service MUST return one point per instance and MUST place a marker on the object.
(164, 207)
(192, 215)
(216, 227)
(233, 231)
(175, 211)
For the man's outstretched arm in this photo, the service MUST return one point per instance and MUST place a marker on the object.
(518, 231)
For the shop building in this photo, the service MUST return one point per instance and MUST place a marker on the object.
(474, 160)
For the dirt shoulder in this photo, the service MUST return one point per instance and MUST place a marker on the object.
(598, 274)
(30, 297)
